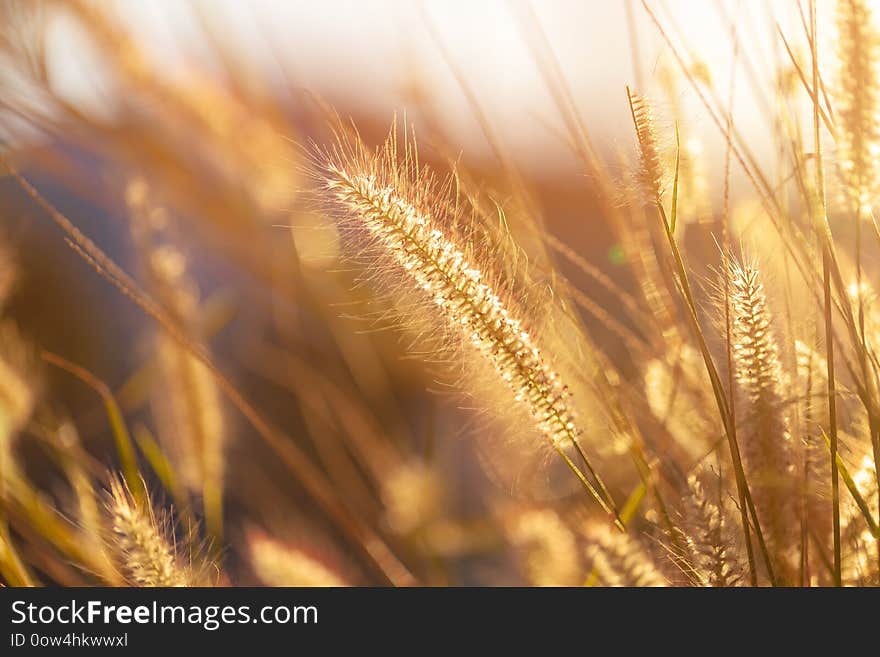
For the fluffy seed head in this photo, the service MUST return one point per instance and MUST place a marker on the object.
(713, 557)
(398, 207)
(620, 560)
(858, 101)
(457, 287)
(768, 451)
(139, 543)
(649, 150)
(756, 355)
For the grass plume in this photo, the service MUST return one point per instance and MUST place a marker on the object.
(408, 216)
(714, 556)
(768, 451)
(620, 560)
(858, 100)
(144, 550)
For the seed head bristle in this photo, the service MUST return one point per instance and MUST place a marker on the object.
(458, 289)
(138, 541)
(620, 560)
(756, 354)
(418, 239)
(649, 150)
(711, 536)
(768, 451)
(424, 239)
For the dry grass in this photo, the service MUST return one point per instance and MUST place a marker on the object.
(436, 381)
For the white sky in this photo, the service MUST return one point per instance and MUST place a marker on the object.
(364, 49)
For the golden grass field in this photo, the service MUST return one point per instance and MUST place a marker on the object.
(254, 332)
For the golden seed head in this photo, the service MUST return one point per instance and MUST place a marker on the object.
(713, 553)
(756, 354)
(143, 552)
(649, 150)
(620, 560)
(767, 445)
(858, 100)
(461, 290)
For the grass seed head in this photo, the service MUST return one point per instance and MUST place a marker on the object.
(145, 554)
(858, 100)
(620, 560)
(712, 534)
(418, 235)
